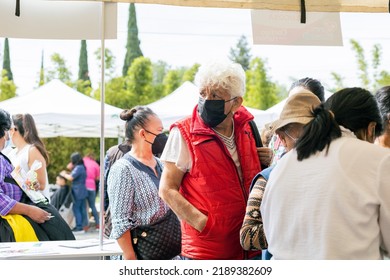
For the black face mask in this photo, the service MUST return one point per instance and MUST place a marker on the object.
(212, 112)
(159, 143)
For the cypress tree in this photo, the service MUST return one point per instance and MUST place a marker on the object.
(42, 73)
(133, 49)
(83, 62)
(7, 61)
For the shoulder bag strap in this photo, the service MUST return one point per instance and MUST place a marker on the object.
(256, 133)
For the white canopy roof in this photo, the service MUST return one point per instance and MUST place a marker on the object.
(59, 110)
(182, 101)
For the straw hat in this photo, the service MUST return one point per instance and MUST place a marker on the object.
(297, 109)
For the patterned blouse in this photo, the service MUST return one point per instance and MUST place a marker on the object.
(133, 193)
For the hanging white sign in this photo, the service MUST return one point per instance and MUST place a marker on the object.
(57, 20)
(285, 28)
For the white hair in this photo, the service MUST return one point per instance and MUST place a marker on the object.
(222, 74)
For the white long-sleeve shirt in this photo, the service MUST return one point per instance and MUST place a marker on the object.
(334, 206)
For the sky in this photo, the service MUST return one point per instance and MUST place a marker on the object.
(182, 36)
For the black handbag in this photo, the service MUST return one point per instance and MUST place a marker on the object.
(160, 240)
(107, 223)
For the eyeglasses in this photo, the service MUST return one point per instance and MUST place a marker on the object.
(215, 94)
(217, 98)
(292, 138)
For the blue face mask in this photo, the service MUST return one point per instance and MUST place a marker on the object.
(8, 143)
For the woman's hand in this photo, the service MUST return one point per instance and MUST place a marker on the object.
(265, 155)
(38, 215)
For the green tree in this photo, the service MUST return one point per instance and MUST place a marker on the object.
(7, 60)
(189, 74)
(160, 69)
(384, 78)
(116, 93)
(83, 84)
(339, 82)
(60, 70)
(7, 87)
(369, 73)
(109, 62)
(172, 80)
(133, 49)
(241, 53)
(41, 81)
(139, 81)
(83, 62)
(362, 63)
(60, 157)
(83, 87)
(261, 91)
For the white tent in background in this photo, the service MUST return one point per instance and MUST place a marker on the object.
(59, 110)
(182, 101)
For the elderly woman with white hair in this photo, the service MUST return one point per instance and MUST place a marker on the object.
(210, 159)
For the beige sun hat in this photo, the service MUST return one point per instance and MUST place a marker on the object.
(297, 109)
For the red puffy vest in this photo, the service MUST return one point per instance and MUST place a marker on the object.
(213, 186)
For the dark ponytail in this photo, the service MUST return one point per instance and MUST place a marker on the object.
(318, 133)
(26, 126)
(352, 108)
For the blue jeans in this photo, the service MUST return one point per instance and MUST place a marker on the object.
(266, 255)
(91, 202)
(80, 212)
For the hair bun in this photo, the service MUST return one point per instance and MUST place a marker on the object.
(127, 114)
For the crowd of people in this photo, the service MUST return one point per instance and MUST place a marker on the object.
(318, 189)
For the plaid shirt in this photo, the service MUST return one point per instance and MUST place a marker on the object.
(9, 193)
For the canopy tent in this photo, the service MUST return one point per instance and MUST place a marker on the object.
(59, 110)
(364, 6)
(182, 101)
